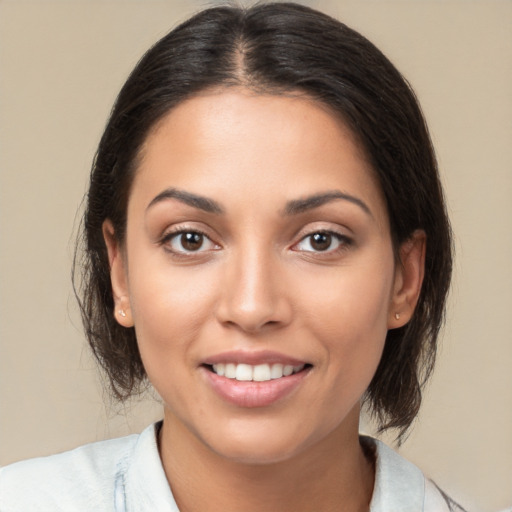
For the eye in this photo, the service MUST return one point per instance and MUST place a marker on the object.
(184, 242)
(322, 241)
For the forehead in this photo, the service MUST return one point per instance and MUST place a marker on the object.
(231, 142)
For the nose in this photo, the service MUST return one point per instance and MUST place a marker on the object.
(254, 295)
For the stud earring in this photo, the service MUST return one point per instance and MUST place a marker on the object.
(397, 316)
(122, 313)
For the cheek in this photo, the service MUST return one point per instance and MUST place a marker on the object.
(350, 317)
(352, 299)
(169, 306)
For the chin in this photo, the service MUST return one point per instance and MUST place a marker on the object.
(257, 454)
(256, 446)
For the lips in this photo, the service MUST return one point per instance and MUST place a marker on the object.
(254, 379)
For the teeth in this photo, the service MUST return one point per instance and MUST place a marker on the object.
(287, 370)
(257, 373)
(243, 372)
(230, 372)
(276, 371)
(261, 372)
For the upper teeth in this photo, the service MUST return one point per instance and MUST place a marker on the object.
(258, 373)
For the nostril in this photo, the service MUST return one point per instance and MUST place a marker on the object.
(252, 308)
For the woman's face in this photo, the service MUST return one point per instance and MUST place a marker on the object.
(257, 245)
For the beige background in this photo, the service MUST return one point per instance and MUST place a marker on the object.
(61, 65)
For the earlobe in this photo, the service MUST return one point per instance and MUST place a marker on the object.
(408, 280)
(122, 310)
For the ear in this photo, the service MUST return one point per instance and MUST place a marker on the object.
(118, 276)
(408, 279)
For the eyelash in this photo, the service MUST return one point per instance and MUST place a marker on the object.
(343, 241)
(168, 238)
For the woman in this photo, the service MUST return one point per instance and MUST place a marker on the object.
(266, 242)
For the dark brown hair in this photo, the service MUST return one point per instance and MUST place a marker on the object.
(278, 48)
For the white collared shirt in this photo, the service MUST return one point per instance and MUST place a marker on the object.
(126, 475)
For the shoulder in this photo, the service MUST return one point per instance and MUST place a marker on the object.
(80, 479)
(401, 486)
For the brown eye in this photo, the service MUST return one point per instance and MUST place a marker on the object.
(321, 241)
(191, 241)
(184, 242)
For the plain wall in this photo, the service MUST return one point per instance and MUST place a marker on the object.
(61, 66)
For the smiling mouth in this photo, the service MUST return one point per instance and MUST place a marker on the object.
(255, 373)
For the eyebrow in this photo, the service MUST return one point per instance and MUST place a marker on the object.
(293, 207)
(194, 200)
(308, 203)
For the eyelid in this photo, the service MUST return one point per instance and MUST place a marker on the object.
(186, 227)
(345, 241)
(176, 231)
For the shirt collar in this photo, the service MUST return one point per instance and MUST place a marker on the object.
(399, 484)
(145, 483)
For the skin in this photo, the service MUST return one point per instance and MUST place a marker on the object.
(258, 283)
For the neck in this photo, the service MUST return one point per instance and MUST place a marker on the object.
(327, 476)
